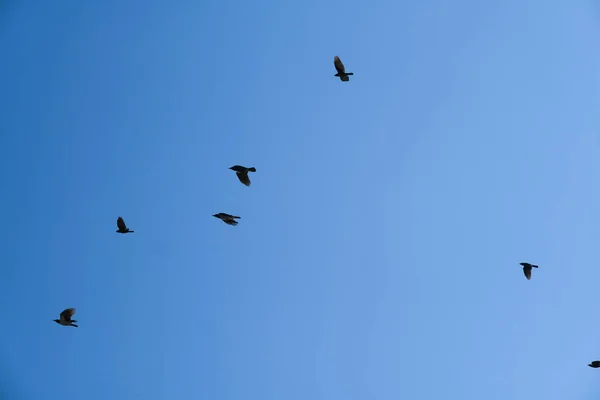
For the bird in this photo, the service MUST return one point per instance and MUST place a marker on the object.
(228, 219)
(242, 173)
(65, 318)
(527, 269)
(122, 227)
(594, 364)
(341, 70)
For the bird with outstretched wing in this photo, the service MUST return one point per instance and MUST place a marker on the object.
(65, 318)
(122, 226)
(341, 70)
(527, 269)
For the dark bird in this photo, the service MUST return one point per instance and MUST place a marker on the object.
(242, 173)
(527, 269)
(594, 364)
(341, 70)
(122, 227)
(65, 318)
(228, 219)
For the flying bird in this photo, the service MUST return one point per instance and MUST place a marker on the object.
(122, 227)
(65, 318)
(594, 364)
(242, 173)
(228, 219)
(341, 70)
(527, 269)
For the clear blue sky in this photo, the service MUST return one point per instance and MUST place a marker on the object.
(378, 252)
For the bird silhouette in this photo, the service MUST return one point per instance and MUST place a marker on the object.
(65, 318)
(594, 364)
(228, 219)
(242, 173)
(341, 70)
(122, 227)
(527, 269)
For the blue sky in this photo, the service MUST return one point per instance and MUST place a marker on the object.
(378, 252)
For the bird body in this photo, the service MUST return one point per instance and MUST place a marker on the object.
(227, 218)
(594, 364)
(242, 173)
(527, 269)
(341, 70)
(122, 227)
(65, 318)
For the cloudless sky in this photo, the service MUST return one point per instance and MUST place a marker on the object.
(377, 254)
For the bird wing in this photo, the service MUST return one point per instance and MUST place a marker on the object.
(121, 224)
(339, 65)
(525, 264)
(527, 272)
(243, 177)
(67, 314)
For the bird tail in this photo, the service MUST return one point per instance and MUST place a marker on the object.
(252, 169)
(534, 266)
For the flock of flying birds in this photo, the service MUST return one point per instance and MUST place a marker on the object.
(242, 174)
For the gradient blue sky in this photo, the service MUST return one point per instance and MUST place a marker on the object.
(377, 254)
